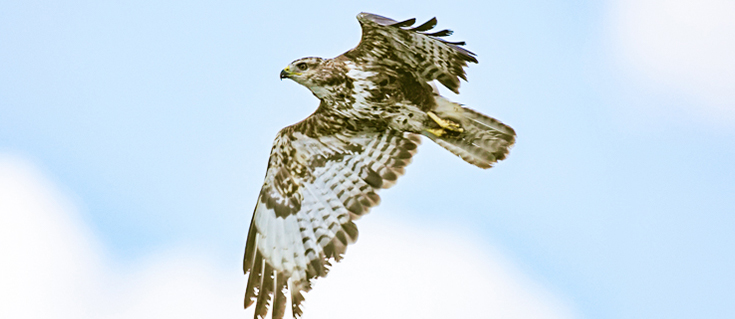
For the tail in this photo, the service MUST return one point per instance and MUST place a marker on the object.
(483, 140)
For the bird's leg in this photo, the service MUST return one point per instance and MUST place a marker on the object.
(447, 125)
(436, 131)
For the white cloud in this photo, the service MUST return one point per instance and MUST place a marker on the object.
(45, 254)
(53, 268)
(681, 46)
(401, 271)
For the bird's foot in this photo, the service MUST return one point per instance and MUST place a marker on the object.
(436, 131)
(448, 125)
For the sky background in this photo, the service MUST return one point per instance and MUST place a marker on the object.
(134, 138)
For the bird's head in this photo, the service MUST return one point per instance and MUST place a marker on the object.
(307, 72)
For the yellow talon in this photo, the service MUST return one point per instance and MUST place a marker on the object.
(445, 124)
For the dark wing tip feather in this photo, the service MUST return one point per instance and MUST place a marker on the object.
(296, 299)
(406, 23)
(254, 280)
(264, 296)
(250, 248)
(279, 302)
(442, 33)
(428, 25)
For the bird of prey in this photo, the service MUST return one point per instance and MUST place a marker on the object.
(325, 171)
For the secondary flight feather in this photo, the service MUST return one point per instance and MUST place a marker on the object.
(324, 172)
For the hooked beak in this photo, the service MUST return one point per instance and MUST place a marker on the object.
(284, 74)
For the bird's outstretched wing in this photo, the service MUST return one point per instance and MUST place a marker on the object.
(386, 41)
(320, 178)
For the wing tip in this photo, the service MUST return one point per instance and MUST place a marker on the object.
(255, 275)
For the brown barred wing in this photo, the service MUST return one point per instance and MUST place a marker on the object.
(420, 49)
(315, 188)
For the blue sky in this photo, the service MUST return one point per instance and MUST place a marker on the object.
(156, 119)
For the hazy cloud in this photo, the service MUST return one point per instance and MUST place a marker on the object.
(54, 268)
(682, 46)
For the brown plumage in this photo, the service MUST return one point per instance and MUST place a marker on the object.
(324, 172)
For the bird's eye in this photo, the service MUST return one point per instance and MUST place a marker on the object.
(302, 66)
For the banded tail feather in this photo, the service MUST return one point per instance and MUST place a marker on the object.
(484, 140)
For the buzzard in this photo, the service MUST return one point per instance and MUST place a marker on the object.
(324, 172)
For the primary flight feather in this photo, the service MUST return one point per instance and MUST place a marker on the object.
(324, 172)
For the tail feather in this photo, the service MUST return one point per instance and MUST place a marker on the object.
(484, 140)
